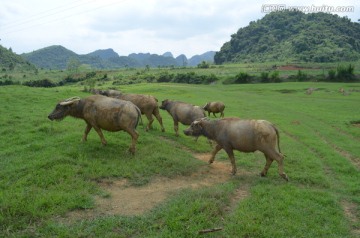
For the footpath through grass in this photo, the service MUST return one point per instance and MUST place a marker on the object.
(46, 171)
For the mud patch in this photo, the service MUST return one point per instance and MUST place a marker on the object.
(127, 200)
(350, 213)
(355, 123)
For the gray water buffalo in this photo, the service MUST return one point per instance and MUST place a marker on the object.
(215, 107)
(242, 135)
(182, 112)
(146, 103)
(100, 112)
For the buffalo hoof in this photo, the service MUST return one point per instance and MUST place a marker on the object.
(284, 176)
(132, 151)
(162, 130)
(262, 174)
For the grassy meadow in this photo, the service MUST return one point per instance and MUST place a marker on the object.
(47, 173)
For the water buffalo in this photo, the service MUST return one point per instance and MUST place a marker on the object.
(215, 107)
(182, 112)
(242, 135)
(146, 103)
(100, 112)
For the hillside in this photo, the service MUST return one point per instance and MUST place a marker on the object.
(10, 60)
(57, 57)
(293, 35)
(104, 54)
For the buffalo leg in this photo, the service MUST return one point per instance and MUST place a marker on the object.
(176, 128)
(134, 137)
(232, 160)
(214, 114)
(98, 130)
(222, 114)
(87, 130)
(158, 117)
(279, 159)
(214, 152)
(150, 119)
(267, 166)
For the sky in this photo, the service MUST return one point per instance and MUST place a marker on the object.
(187, 27)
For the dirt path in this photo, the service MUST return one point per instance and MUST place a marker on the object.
(128, 200)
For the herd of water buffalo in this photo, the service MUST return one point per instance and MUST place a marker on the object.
(112, 110)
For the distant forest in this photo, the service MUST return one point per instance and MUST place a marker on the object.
(294, 36)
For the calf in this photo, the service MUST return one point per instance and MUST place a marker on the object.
(215, 107)
(182, 112)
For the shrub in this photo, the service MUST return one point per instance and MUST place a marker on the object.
(264, 77)
(301, 76)
(203, 65)
(165, 77)
(242, 78)
(210, 79)
(275, 77)
(45, 83)
(345, 73)
(331, 74)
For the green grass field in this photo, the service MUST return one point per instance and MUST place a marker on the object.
(47, 174)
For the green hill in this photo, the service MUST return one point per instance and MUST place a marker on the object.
(57, 57)
(10, 60)
(296, 36)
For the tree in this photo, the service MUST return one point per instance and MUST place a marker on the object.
(73, 65)
(203, 65)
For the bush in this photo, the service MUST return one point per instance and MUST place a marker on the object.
(331, 74)
(275, 77)
(242, 78)
(45, 83)
(210, 79)
(203, 65)
(165, 77)
(345, 73)
(264, 77)
(301, 76)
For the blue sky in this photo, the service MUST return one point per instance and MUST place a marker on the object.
(134, 26)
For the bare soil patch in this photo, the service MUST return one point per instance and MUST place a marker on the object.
(350, 212)
(355, 123)
(128, 200)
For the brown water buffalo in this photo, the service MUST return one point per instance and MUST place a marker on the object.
(182, 112)
(100, 112)
(242, 135)
(146, 103)
(215, 107)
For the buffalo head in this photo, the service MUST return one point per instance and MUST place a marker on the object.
(196, 127)
(164, 104)
(62, 109)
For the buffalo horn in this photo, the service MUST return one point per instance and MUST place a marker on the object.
(69, 101)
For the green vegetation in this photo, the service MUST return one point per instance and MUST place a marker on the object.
(58, 57)
(294, 36)
(226, 74)
(10, 61)
(47, 174)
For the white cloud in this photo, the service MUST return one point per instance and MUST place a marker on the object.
(156, 26)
